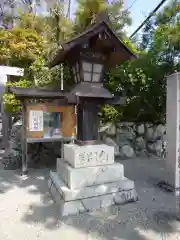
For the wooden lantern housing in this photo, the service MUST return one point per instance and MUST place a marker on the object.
(90, 55)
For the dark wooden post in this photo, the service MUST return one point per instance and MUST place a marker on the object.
(87, 121)
(4, 115)
(5, 123)
(24, 139)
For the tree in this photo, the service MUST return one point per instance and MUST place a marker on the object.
(7, 10)
(20, 47)
(87, 11)
(143, 80)
(61, 28)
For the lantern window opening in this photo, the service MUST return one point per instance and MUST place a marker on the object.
(92, 71)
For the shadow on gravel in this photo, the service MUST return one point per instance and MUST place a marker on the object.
(153, 217)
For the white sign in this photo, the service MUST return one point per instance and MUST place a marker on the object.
(36, 121)
(14, 71)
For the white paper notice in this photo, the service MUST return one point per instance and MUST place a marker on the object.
(36, 121)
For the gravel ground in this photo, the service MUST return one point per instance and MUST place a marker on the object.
(28, 213)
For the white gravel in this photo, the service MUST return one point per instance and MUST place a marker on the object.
(28, 213)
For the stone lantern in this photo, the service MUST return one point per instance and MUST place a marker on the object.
(90, 55)
(87, 177)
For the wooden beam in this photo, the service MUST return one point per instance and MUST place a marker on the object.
(4, 130)
(23, 140)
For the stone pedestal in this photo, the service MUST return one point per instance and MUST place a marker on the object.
(88, 179)
(89, 155)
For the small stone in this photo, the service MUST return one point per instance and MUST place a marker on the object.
(140, 143)
(103, 129)
(127, 151)
(126, 131)
(127, 124)
(111, 130)
(150, 133)
(109, 141)
(140, 129)
(151, 147)
(159, 131)
(158, 147)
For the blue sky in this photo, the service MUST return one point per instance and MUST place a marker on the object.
(139, 11)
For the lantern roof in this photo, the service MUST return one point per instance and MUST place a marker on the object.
(119, 51)
(91, 90)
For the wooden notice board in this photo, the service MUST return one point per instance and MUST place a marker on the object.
(50, 121)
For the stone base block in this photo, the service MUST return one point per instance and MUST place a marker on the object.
(89, 155)
(88, 192)
(90, 204)
(83, 177)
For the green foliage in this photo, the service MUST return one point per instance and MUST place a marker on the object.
(11, 104)
(20, 47)
(110, 114)
(42, 75)
(32, 21)
(143, 80)
(132, 46)
(86, 12)
(25, 46)
(60, 27)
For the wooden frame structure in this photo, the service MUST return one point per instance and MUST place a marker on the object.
(62, 104)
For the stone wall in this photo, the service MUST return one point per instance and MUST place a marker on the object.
(128, 139)
(135, 139)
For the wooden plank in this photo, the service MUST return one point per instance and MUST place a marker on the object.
(58, 139)
(38, 93)
(69, 122)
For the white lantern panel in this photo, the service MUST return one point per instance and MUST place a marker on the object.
(87, 67)
(96, 77)
(97, 68)
(87, 76)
